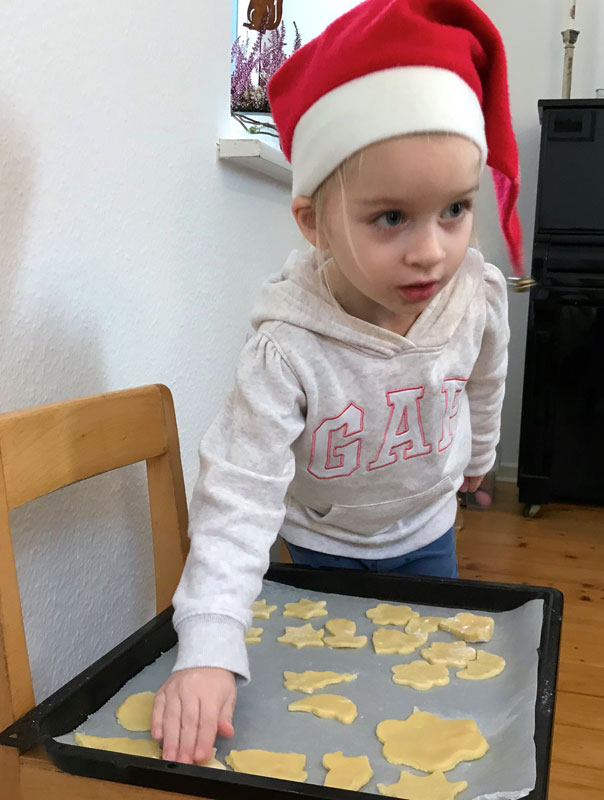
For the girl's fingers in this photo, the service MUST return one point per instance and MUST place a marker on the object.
(470, 484)
(225, 720)
(189, 721)
(189, 709)
(171, 726)
(474, 483)
(157, 716)
(206, 734)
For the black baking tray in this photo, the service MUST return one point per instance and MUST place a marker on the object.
(67, 708)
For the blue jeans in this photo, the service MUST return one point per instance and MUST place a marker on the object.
(438, 559)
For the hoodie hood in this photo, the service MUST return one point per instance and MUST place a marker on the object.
(298, 295)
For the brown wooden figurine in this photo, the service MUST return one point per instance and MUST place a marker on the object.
(264, 15)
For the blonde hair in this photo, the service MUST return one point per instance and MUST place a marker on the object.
(339, 178)
(320, 198)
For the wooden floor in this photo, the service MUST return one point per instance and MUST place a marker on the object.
(564, 548)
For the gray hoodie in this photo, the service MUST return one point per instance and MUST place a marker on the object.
(342, 436)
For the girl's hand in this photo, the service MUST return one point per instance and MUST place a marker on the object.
(471, 483)
(190, 710)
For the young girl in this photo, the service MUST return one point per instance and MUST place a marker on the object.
(371, 391)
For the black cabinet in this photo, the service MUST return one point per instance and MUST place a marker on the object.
(562, 431)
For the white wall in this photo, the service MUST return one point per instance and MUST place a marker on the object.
(130, 256)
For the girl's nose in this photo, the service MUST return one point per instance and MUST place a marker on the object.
(423, 248)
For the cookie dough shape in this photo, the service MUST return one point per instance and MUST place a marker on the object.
(302, 636)
(469, 627)
(387, 640)
(311, 680)
(343, 634)
(253, 635)
(120, 744)
(414, 787)
(423, 625)
(328, 706)
(420, 675)
(487, 665)
(347, 772)
(306, 609)
(429, 743)
(286, 766)
(385, 614)
(260, 609)
(450, 654)
(212, 762)
(134, 714)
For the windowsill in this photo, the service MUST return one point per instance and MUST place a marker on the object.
(256, 155)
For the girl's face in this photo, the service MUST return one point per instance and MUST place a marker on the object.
(398, 225)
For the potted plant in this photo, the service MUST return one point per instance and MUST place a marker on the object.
(255, 61)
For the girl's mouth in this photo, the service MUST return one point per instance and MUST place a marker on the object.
(417, 292)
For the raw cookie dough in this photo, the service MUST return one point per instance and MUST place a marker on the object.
(469, 626)
(487, 665)
(387, 640)
(347, 772)
(120, 744)
(134, 714)
(305, 609)
(450, 654)
(429, 743)
(385, 614)
(302, 636)
(254, 635)
(212, 762)
(286, 766)
(423, 625)
(261, 610)
(310, 680)
(343, 634)
(414, 787)
(420, 675)
(328, 706)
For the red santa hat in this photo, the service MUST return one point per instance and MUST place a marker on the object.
(393, 67)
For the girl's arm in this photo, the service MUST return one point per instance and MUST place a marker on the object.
(237, 509)
(238, 506)
(486, 386)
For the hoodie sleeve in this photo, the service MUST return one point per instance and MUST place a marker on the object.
(237, 508)
(486, 386)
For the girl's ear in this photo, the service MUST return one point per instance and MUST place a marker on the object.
(306, 218)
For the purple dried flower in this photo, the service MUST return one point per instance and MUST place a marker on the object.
(297, 40)
(251, 71)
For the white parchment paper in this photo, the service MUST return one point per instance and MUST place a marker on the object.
(503, 707)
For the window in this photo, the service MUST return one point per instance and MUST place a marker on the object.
(265, 34)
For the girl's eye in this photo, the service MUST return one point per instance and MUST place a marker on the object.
(390, 219)
(457, 209)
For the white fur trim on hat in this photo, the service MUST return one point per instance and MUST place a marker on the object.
(378, 106)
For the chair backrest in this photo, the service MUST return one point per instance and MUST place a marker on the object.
(47, 447)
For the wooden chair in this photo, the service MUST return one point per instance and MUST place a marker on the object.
(43, 449)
